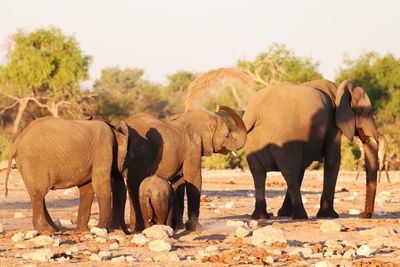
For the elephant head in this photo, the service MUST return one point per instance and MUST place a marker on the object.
(212, 133)
(354, 116)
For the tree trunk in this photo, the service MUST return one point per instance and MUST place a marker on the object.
(22, 106)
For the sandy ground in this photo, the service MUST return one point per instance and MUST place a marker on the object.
(227, 195)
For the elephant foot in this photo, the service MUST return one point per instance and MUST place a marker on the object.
(285, 211)
(257, 214)
(46, 229)
(299, 213)
(366, 215)
(327, 213)
(180, 225)
(193, 226)
(83, 228)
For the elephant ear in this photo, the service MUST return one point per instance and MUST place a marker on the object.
(201, 132)
(362, 107)
(345, 118)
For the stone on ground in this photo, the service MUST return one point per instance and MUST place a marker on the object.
(98, 231)
(31, 234)
(158, 232)
(324, 264)
(43, 240)
(159, 246)
(42, 255)
(139, 239)
(18, 237)
(363, 250)
(267, 235)
(330, 227)
(235, 223)
(241, 232)
(19, 215)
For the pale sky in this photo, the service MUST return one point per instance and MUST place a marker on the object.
(163, 37)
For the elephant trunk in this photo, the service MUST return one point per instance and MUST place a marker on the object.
(232, 143)
(371, 165)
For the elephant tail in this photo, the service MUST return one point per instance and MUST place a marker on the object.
(10, 158)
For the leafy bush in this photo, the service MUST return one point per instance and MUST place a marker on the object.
(228, 161)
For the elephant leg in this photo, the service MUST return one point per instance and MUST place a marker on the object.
(331, 170)
(48, 218)
(287, 209)
(118, 204)
(102, 187)
(180, 204)
(86, 195)
(147, 211)
(293, 182)
(136, 217)
(39, 219)
(259, 175)
(169, 216)
(161, 212)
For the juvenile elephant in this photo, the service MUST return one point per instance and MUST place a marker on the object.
(290, 126)
(56, 154)
(156, 198)
(172, 149)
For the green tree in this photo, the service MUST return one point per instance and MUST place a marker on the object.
(44, 67)
(380, 77)
(124, 92)
(280, 64)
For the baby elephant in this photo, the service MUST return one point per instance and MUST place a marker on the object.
(156, 201)
(56, 154)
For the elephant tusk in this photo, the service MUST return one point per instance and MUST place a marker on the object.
(234, 154)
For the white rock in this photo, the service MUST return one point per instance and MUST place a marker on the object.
(95, 257)
(114, 245)
(354, 212)
(65, 222)
(316, 256)
(42, 240)
(31, 234)
(305, 252)
(139, 239)
(324, 264)
(20, 245)
(211, 248)
(267, 235)
(333, 244)
(201, 254)
(269, 260)
(42, 255)
(100, 239)
(62, 259)
(130, 259)
(378, 231)
(363, 250)
(253, 224)
(167, 257)
(56, 242)
(159, 246)
(235, 223)
(104, 254)
(241, 232)
(351, 253)
(159, 232)
(98, 231)
(92, 222)
(18, 237)
(217, 211)
(119, 259)
(74, 249)
(330, 227)
(119, 238)
(229, 205)
(19, 215)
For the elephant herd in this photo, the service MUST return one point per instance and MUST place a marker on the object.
(156, 162)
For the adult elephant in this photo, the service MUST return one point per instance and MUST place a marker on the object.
(290, 126)
(172, 150)
(56, 154)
